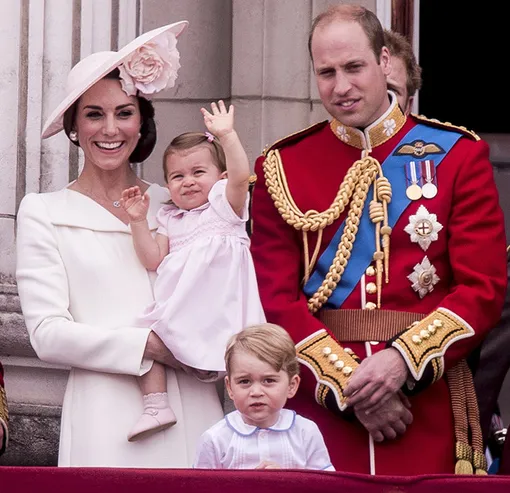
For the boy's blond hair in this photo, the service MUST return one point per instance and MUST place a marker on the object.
(268, 342)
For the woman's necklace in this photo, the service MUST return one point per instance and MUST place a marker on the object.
(88, 193)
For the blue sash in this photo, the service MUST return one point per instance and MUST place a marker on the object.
(363, 249)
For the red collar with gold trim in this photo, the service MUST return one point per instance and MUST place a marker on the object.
(377, 133)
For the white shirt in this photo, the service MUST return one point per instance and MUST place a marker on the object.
(293, 442)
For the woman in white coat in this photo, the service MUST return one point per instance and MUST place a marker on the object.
(80, 283)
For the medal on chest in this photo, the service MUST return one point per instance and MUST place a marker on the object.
(423, 227)
(428, 173)
(413, 181)
(424, 277)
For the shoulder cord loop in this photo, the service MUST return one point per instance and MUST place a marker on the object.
(356, 184)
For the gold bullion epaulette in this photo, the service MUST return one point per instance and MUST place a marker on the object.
(289, 139)
(447, 126)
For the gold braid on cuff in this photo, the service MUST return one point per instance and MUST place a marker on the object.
(331, 365)
(353, 192)
(426, 341)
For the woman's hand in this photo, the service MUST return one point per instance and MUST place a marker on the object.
(207, 376)
(156, 350)
(135, 204)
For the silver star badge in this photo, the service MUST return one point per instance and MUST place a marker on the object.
(424, 277)
(423, 227)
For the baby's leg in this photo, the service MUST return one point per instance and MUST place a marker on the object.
(154, 381)
(157, 413)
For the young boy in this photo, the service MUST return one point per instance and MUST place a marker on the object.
(262, 373)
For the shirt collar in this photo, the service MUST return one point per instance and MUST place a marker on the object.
(235, 422)
(174, 211)
(376, 133)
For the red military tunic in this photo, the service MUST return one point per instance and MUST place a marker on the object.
(469, 260)
(4, 415)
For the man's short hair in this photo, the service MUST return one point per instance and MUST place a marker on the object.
(400, 47)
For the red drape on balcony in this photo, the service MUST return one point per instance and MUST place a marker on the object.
(82, 480)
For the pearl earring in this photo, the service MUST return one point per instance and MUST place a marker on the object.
(73, 135)
(139, 135)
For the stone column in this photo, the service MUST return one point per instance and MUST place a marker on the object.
(42, 40)
(205, 75)
(10, 38)
(273, 86)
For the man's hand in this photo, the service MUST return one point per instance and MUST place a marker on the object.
(376, 380)
(390, 420)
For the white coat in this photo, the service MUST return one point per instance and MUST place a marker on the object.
(81, 288)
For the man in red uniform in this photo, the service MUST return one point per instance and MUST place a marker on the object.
(4, 415)
(379, 245)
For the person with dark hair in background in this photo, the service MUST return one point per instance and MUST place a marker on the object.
(80, 282)
(4, 414)
(404, 78)
(366, 230)
(489, 363)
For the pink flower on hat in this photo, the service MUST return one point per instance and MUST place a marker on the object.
(152, 67)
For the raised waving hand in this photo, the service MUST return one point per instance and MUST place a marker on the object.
(220, 123)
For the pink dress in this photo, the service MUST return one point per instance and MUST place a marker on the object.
(206, 289)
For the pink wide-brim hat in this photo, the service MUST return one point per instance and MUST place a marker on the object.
(93, 68)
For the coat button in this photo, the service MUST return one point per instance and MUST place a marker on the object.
(371, 288)
(332, 357)
(416, 339)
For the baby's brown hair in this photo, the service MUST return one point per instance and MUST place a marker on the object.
(189, 140)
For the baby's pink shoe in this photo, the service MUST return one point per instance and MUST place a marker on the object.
(157, 416)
